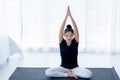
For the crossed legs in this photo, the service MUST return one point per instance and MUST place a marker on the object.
(63, 72)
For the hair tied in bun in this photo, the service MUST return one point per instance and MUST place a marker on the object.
(69, 26)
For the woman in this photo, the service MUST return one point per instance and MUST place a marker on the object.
(68, 41)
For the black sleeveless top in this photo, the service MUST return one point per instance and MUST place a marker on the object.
(69, 54)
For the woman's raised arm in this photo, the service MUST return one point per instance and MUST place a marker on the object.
(76, 33)
(61, 32)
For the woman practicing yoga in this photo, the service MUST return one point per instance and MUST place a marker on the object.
(68, 41)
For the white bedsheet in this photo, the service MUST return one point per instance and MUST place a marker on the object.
(7, 48)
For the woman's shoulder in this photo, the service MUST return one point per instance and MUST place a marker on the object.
(74, 40)
(63, 40)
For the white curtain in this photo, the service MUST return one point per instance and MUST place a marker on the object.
(10, 23)
(98, 21)
(36, 23)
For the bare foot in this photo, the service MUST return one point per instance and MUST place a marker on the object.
(71, 75)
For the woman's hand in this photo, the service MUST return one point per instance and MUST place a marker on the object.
(68, 11)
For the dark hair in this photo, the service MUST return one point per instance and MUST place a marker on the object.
(69, 28)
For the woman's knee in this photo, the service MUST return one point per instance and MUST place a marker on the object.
(83, 72)
(88, 74)
(48, 72)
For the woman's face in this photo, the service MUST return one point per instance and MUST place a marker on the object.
(68, 36)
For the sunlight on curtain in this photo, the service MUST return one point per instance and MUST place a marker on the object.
(10, 19)
(42, 20)
(32, 23)
(36, 23)
(116, 26)
(98, 25)
(2, 17)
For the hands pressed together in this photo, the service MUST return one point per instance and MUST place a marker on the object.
(68, 12)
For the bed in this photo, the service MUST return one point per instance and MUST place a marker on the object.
(8, 47)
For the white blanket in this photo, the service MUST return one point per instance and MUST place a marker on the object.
(7, 48)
